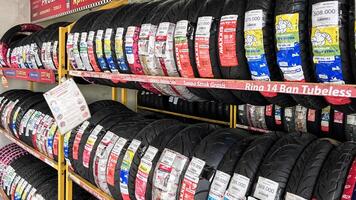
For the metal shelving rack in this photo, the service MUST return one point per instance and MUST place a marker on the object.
(40, 76)
(298, 88)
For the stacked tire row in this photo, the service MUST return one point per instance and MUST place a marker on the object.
(130, 156)
(23, 176)
(38, 50)
(242, 40)
(322, 123)
(206, 109)
(27, 117)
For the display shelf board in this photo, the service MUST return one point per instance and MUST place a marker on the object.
(30, 150)
(299, 88)
(33, 75)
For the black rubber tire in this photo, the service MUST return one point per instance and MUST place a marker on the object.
(300, 7)
(346, 60)
(281, 158)
(305, 173)
(214, 8)
(240, 71)
(160, 142)
(212, 150)
(268, 7)
(332, 177)
(146, 135)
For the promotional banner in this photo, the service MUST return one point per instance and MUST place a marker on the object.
(42, 9)
(45, 9)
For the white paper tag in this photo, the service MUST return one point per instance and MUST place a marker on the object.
(326, 14)
(150, 153)
(194, 170)
(204, 26)
(351, 119)
(181, 29)
(68, 105)
(288, 112)
(290, 196)
(237, 188)
(219, 185)
(254, 20)
(266, 189)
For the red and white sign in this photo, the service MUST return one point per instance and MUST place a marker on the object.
(313, 89)
(41, 9)
(45, 9)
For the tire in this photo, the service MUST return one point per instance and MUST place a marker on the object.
(268, 57)
(280, 160)
(226, 169)
(249, 163)
(232, 58)
(334, 173)
(207, 58)
(210, 150)
(301, 122)
(160, 142)
(342, 56)
(305, 173)
(147, 134)
(289, 119)
(9, 36)
(184, 56)
(273, 117)
(350, 128)
(288, 10)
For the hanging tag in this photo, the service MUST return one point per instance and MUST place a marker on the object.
(68, 105)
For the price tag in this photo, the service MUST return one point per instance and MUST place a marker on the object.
(237, 188)
(266, 189)
(68, 105)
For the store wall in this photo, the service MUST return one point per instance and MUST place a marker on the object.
(18, 11)
(12, 13)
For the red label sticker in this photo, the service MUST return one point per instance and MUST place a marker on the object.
(350, 183)
(227, 41)
(269, 110)
(202, 55)
(338, 117)
(188, 190)
(183, 58)
(91, 55)
(77, 140)
(110, 173)
(311, 115)
(55, 144)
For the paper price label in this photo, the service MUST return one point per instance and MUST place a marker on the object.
(68, 105)
(325, 14)
(254, 19)
(204, 26)
(266, 189)
(219, 185)
(237, 188)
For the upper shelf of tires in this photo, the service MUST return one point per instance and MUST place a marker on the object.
(30, 52)
(278, 46)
